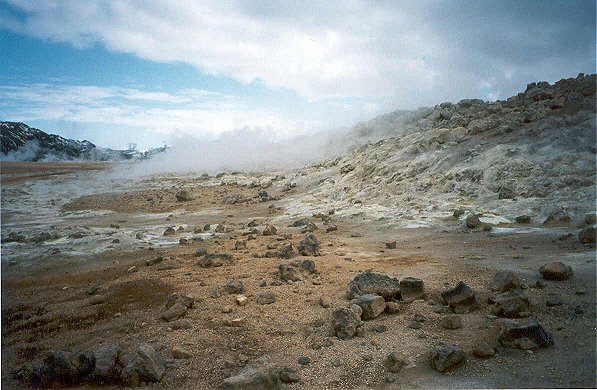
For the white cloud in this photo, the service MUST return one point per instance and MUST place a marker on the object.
(329, 49)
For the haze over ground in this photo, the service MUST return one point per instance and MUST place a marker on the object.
(120, 72)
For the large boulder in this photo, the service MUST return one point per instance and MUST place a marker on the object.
(556, 270)
(371, 304)
(528, 335)
(346, 321)
(309, 246)
(445, 357)
(145, 366)
(383, 285)
(461, 298)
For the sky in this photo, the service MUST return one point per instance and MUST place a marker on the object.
(143, 72)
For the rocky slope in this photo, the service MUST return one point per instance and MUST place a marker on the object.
(533, 153)
(20, 142)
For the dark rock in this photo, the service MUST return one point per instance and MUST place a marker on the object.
(233, 287)
(472, 221)
(146, 366)
(331, 228)
(308, 266)
(504, 281)
(304, 360)
(300, 223)
(259, 376)
(62, 368)
(483, 351)
(451, 321)
(392, 307)
(216, 260)
(270, 230)
(591, 219)
(181, 324)
(107, 366)
(506, 193)
(511, 304)
(183, 196)
(345, 322)
(200, 252)
(155, 260)
(415, 325)
(372, 305)
(169, 231)
(461, 298)
(394, 362)
(446, 357)
(412, 289)
(383, 285)
(288, 272)
(528, 335)
(174, 312)
(238, 245)
(353, 291)
(523, 219)
(458, 213)
(391, 245)
(550, 220)
(556, 271)
(309, 246)
(587, 235)
(289, 375)
(265, 298)
(286, 252)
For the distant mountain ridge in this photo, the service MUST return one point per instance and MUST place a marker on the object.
(19, 142)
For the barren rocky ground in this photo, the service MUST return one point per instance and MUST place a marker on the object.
(304, 278)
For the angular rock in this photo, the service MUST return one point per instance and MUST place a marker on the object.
(511, 304)
(515, 335)
(107, 366)
(587, 235)
(146, 366)
(270, 230)
(259, 376)
(523, 219)
(62, 368)
(300, 223)
(591, 219)
(289, 375)
(446, 357)
(286, 252)
(383, 285)
(394, 362)
(216, 260)
(174, 312)
(483, 351)
(180, 353)
(372, 305)
(232, 199)
(391, 245)
(392, 307)
(461, 298)
(238, 245)
(412, 289)
(169, 231)
(504, 281)
(309, 246)
(233, 287)
(451, 321)
(556, 270)
(288, 272)
(181, 324)
(308, 266)
(265, 298)
(346, 322)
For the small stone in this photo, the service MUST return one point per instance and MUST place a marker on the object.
(180, 353)
(379, 328)
(587, 235)
(523, 219)
(265, 298)
(504, 281)
(392, 307)
(324, 302)
(394, 362)
(412, 289)
(289, 375)
(304, 360)
(446, 357)
(270, 230)
(181, 324)
(132, 269)
(241, 300)
(309, 246)
(169, 231)
(415, 325)
(472, 221)
(372, 305)
(461, 298)
(483, 351)
(391, 245)
(183, 196)
(346, 322)
(451, 321)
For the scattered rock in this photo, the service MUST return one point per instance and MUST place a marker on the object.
(461, 298)
(346, 322)
(155, 260)
(523, 219)
(511, 304)
(235, 286)
(200, 252)
(300, 223)
(371, 304)
(216, 260)
(309, 246)
(242, 300)
(169, 231)
(458, 213)
(183, 196)
(308, 266)
(504, 281)
(392, 307)
(181, 324)
(265, 298)
(324, 302)
(446, 357)
(587, 235)
(259, 376)
(451, 321)
(483, 351)
(289, 375)
(238, 245)
(176, 306)
(472, 221)
(270, 230)
(528, 335)
(391, 245)
(372, 283)
(286, 252)
(591, 219)
(107, 366)
(556, 271)
(288, 272)
(412, 289)
(232, 199)
(180, 353)
(415, 325)
(394, 362)
(304, 360)
(147, 366)
(62, 367)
